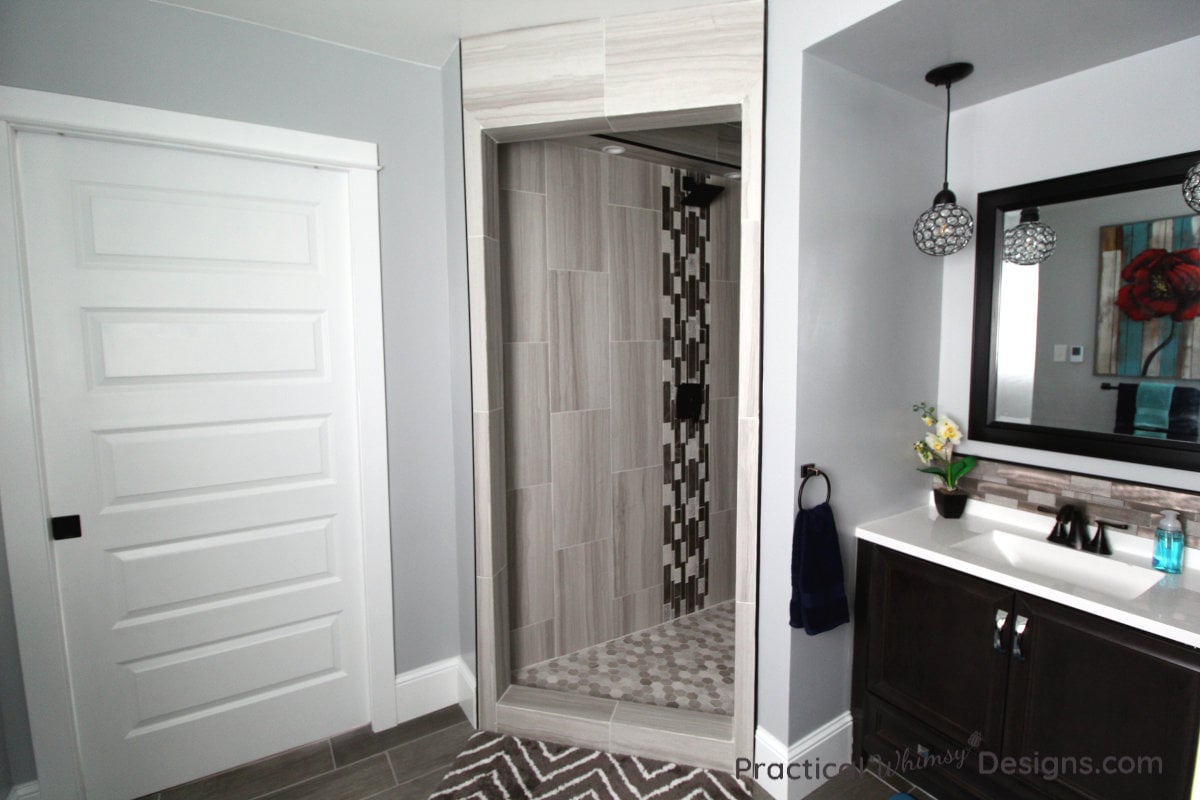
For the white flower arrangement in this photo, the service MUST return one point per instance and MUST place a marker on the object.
(936, 450)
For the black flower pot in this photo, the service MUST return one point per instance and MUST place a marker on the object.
(950, 504)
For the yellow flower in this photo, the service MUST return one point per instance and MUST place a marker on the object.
(922, 452)
(935, 443)
(948, 430)
(928, 420)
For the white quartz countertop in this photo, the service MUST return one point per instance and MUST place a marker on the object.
(1169, 608)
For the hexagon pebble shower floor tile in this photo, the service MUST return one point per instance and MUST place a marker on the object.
(684, 663)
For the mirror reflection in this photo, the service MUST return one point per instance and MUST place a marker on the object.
(1102, 336)
(1096, 348)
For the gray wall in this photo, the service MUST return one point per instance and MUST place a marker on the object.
(145, 53)
(869, 328)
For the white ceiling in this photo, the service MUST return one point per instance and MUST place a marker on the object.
(1014, 44)
(422, 31)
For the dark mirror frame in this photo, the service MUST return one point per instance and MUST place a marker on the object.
(990, 211)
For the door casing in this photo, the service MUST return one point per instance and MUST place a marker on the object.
(24, 510)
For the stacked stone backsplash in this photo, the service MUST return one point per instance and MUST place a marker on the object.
(1138, 505)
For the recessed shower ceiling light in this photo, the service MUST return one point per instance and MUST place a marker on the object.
(733, 175)
(613, 149)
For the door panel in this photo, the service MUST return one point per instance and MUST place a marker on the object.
(194, 358)
(931, 647)
(1079, 675)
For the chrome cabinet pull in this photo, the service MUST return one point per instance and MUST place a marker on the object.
(1018, 633)
(998, 634)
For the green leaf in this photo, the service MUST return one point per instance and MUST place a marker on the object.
(933, 471)
(958, 469)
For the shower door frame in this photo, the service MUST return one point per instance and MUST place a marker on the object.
(605, 76)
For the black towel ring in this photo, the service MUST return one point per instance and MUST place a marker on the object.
(808, 471)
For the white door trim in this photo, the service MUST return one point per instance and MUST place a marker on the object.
(23, 504)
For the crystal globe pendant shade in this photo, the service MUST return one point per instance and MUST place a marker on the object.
(1031, 242)
(1191, 186)
(946, 227)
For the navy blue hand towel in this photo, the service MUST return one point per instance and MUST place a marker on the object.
(818, 585)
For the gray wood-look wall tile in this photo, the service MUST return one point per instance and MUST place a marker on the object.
(683, 737)
(558, 76)
(494, 660)
(722, 554)
(724, 231)
(523, 167)
(634, 255)
(583, 584)
(523, 266)
(487, 359)
(490, 500)
(745, 649)
(639, 610)
(487, 635)
(527, 414)
(729, 143)
(638, 529)
(531, 555)
(533, 643)
(557, 716)
(491, 188)
(575, 199)
(578, 341)
(723, 339)
(637, 427)
(582, 476)
(632, 182)
(750, 320)
(747, 510)
(722, 453)
(716, 51)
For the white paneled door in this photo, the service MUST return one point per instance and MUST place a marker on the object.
(194, 360)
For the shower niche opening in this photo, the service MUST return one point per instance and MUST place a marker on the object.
(619, 295)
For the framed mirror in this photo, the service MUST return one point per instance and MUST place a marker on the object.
(1095, 350)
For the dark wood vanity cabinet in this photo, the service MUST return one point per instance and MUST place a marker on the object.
(972, 673)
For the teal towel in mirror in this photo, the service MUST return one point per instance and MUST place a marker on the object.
(1153, 415)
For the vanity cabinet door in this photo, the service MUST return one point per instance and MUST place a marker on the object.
(932, 645)
(1083, 690)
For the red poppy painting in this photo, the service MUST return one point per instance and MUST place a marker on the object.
(1149, 297)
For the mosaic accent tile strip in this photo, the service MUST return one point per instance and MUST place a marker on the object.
(685, 663)
(686, 269)
(1138, 505)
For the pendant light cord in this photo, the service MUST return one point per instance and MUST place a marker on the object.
(946, 144)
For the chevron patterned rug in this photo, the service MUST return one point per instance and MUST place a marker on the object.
(499, 767)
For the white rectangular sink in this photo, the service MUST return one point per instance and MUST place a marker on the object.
(1087, 570)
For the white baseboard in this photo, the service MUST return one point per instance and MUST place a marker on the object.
(828, 746)
(24, 791)
(443, 683)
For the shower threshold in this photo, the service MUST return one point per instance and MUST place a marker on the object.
(685, 663)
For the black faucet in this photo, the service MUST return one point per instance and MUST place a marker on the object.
(1070, 530)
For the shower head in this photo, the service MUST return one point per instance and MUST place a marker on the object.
(699, 194)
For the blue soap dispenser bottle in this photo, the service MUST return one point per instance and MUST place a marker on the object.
(1168, 544)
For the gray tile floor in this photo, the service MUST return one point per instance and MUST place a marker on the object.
(867, 786)
(685, 663)
(404, 763)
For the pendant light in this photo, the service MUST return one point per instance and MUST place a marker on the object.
(1031, 242)
(1191, 186)
(946, 227)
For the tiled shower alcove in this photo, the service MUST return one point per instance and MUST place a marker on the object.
(620, 516)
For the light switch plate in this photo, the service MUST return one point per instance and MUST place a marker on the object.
(1060, 352)
(1076, 354)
